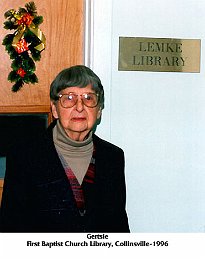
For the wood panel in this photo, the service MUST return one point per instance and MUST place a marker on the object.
(1, 188)
(63, 27)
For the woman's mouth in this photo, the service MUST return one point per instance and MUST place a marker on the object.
(78, 119)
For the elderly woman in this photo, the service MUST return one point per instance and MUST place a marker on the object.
(68, 179)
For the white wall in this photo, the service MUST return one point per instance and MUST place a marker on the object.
(157, 118)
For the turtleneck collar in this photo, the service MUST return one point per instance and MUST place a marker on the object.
(62, 141)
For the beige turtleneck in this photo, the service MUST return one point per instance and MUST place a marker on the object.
(77, 154)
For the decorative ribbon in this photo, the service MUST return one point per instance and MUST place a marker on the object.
(32, 27)
(39, 34)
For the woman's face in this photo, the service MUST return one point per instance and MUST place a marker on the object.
(78, 120)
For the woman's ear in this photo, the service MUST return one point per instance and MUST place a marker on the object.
(99, 113)
(54, 110)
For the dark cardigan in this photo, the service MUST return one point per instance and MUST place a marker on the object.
(37, 195)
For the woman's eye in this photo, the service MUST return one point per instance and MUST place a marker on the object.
(88, 97)
(70, 97)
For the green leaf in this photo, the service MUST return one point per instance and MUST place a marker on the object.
(38, 20)
(13, 76)
(17, 86)
(8, 39)
(33, 78)
(13, 54)
(9, 25)
(28, 65)
(9, 13)
(16, 64)
(31, 8)
(36, 54)
(22, 10)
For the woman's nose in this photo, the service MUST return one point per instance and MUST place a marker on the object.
(79, 105)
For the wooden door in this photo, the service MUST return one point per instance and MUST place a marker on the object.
(63, 27)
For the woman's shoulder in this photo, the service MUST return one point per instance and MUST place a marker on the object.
(104, 144)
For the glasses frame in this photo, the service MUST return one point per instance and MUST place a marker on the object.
(61, 95)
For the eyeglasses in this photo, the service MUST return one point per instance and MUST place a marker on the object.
(69, 100)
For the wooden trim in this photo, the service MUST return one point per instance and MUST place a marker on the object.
(1, 183)
(1, 188)
(44, 109)
(25, 109)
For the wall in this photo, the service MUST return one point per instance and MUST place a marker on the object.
(157, 118)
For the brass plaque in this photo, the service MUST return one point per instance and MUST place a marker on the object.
(159, 54)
